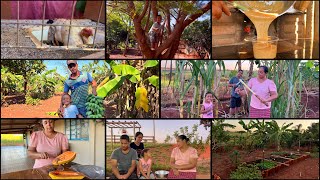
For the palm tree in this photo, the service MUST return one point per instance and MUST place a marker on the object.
(260, 132)
(247, 127)
(277, 133)
(219, 135)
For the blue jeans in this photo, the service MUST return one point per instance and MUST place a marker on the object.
(83, 111)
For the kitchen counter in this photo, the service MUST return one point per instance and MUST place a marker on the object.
(287, 49)
(38, 173)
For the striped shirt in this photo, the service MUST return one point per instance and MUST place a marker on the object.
(79, 88)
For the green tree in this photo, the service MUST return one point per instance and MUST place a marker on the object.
(219, 135)
(278, 133)
(184, 13)
(26, 68)
(196, 36)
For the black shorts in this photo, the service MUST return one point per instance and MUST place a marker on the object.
(235, 102)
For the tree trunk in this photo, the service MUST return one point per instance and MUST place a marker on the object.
(251, 69)
(239, 65)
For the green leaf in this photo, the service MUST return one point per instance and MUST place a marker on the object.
(309, 64)
(110, 86)
(150, 63)
(154, 80)
(124, 69)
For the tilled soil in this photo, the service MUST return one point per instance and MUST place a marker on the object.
(223, 166)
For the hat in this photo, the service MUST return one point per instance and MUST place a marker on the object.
(71, 61)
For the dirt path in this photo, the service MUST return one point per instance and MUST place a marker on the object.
(307, 169)
(28, 111)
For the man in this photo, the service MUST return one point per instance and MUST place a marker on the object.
(235, 102)
(123, 160)
(155, 32)
(78, 83)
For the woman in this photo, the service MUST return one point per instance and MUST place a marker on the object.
(183, 160)
(137, 144)
(266, 90)
(47, 144)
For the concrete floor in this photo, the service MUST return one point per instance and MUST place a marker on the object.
(14, 158)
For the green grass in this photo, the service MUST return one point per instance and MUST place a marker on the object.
(11, 139)
(266, 165)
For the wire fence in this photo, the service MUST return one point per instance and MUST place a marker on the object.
(18, 23)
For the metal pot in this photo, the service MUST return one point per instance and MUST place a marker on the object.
(162, 174)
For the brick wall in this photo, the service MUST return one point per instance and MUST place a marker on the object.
(228, 29)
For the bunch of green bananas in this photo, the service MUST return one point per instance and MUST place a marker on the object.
(94, 106)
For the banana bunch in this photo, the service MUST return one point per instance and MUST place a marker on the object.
(94, 106)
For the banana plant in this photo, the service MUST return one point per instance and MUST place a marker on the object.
(277, 133)
(127, 73)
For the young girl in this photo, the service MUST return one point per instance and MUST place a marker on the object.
(207, 107)
(145, 164)
(70, 111)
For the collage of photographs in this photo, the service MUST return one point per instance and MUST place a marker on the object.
(159, 89)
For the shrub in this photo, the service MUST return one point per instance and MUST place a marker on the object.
(263, 165)
(235, 157)
(31, 100)
(246, 172)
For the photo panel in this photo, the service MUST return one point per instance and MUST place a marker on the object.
(80, 88)
(263, 30)
(239, 89)
(152, 149)
(158, 29)
(53, 30)
(265, 148)
(52, 148)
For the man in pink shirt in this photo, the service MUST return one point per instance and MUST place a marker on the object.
(47, 144)
(266, 92)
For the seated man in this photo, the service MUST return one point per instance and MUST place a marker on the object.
(123, 161)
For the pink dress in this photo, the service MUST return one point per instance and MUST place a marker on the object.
(263, 90)
(210, 113)
(52, 146)
(182, 158)
(145, 164)
(34, 9)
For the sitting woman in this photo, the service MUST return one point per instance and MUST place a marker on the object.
(183, 160)
(47, 144)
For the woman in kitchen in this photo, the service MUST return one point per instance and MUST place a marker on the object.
(47, 144)
(266, 92)
(183, 160)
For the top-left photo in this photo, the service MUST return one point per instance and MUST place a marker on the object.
(53, 29)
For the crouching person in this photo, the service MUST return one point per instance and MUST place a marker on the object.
(123, 161)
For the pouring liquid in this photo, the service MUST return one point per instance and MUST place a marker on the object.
(259, 14)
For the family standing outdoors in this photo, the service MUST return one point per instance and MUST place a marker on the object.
(133, 161)
(73, 106)
(265, 92)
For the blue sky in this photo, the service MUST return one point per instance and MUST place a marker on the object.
(163, 128)
(61, 65)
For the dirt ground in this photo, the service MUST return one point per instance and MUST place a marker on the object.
(20, 110)
(309, 168)
(135, 54)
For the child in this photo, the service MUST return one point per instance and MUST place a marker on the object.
(207, 107)
(70, 111)
(145, 164)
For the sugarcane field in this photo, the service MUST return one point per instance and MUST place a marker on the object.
(240, 89)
